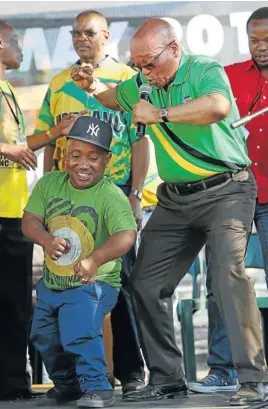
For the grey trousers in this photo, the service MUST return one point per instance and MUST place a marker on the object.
(179, 227)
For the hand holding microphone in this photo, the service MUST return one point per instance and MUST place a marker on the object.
(142, 111)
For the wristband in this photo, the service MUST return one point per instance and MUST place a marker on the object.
(49, 134)
(136, 193)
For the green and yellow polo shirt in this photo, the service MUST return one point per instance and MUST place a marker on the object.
(63, 96)
(187, 152)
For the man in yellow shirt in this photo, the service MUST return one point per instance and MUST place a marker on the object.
(16, 155)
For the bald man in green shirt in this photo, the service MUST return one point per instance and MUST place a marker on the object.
(208, 197)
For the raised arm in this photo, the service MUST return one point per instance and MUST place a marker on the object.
(211, 101)
(204, 110)
(41, 139)
(105, 93)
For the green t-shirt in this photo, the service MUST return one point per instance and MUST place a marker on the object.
(187, 152)
(84, 217)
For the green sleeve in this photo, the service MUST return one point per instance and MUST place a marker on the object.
(45, 119)
(213, 80)
(37, 200)
(128, 93)
(118, 214)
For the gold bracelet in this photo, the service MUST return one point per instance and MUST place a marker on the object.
(49, 134)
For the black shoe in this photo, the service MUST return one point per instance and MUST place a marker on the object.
(131, 386)
(24, 394)
(55, 397)
(156, 392)
(248, 392)
(97, 399)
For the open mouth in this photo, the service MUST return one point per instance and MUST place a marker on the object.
(83, 176)
(262, 58)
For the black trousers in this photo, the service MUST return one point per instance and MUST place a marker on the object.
(179, 227)
(128, 362)
(15, 306)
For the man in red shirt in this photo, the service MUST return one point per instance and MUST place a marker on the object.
(249, 82)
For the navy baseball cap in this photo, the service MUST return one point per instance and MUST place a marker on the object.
(92, 130)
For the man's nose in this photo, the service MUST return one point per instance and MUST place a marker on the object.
(83, 36)
(263, 45)
(84, 164)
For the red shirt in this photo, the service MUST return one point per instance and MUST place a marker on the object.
(250, 88)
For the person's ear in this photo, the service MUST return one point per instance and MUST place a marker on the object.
(2, 43)
(107, 159)
(106, 36)
(175, 48)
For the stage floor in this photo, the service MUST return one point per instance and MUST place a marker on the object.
(196, 401)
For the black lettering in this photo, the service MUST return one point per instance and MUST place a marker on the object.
(113, 120)
(108, 117)
(96, 114)
(118, 127)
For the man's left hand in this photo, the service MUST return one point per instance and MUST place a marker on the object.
(86, 269)
(136, 208)
(145, 113)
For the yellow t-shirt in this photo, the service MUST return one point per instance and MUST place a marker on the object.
(13, 179)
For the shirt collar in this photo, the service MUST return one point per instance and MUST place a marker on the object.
(184, 68)
(100, 64)
(250, 64)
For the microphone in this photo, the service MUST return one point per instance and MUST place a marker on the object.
(248, 118)
(145, 91)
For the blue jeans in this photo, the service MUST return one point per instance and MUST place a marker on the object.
(67, 331)
(219, 350)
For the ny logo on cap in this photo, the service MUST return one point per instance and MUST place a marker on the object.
(93, 130)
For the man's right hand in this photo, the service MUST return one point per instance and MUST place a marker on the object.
(56, 247)
(83, 77)
(20, 154)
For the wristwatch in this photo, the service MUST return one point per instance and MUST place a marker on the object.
(136, 193)
(163, 113)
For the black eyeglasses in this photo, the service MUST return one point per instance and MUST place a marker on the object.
(87, 33)
(151, 65)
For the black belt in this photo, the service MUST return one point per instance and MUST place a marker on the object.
(190, 188)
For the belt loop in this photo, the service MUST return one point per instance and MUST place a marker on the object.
(204, 185)
(176, 189)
